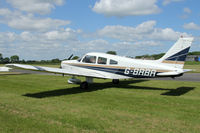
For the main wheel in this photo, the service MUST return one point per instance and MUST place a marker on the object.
(115, 81)
(84, 85)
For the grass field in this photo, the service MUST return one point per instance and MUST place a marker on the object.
(43, 103)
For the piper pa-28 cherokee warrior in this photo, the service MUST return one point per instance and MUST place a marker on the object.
(106, 66)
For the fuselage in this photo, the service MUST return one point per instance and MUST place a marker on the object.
(101, 65)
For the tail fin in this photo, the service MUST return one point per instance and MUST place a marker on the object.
(177, 53)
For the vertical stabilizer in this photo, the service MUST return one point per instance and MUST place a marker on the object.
(176, 55)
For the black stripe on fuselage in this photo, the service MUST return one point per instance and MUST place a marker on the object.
(118, 71)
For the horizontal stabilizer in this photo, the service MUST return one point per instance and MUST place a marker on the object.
(188, 70)
(168, 74)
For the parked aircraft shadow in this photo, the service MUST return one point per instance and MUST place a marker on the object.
(100, 86)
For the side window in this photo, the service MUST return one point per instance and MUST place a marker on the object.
(102, 60)
(113, 62)
(89, 59)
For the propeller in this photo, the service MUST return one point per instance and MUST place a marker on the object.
(70, 57)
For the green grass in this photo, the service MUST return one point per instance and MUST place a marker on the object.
(192, 63)
(42, 103)
(195, 66)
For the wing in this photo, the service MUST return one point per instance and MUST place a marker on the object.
(4, 69)
(45, 69)
(76, 72)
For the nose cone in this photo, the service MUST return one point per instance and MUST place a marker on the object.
(68, 62)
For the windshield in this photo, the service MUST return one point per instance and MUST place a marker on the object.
(89, 59)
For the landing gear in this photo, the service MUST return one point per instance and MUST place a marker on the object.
(115, 81)
(84, 85)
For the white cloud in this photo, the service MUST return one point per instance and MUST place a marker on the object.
(127, 33)
(166, 2)
(187, 10)
(34, 45)
(29, 22)
(35, 6)
(126, 8)
(191, 26)
(7, 37)
(67, 34)
(143, 31)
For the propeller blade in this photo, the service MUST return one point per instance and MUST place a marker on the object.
(70, 57)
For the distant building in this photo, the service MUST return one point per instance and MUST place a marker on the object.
(193, 58)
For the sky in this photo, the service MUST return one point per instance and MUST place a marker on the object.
(49, 29)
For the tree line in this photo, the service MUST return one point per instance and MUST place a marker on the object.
(158, 56)
(12, 59)
(16, 59)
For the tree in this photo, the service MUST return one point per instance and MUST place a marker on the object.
(6, 60)
(14, 58)
(112, 52)
(1, 58)
(55, 60)
(194, 53)
(75, 58)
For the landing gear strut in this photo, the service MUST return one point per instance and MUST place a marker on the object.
(115, 81)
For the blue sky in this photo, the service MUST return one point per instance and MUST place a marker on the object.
(46, 29)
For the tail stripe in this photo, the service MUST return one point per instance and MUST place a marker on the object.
(180, 56)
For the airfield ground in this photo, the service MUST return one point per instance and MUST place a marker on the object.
(46, 103)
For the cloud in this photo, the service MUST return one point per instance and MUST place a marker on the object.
(126, 8)
(67, 34)
(35, 6)
(166, 2)
(187, 10)
(191, 26)
(29, 22)
(34, 45)
(143, 31)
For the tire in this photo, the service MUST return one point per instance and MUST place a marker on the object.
(84, 85)
(115, 81)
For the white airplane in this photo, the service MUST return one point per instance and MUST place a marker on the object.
(106, 66)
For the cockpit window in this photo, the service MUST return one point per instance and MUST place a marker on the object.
(89, 59)
(102, 60)
(113, 62)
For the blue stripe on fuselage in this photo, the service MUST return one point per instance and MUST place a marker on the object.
(114, 71)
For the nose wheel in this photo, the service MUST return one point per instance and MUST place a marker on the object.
(115, 81)
(84, 85)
